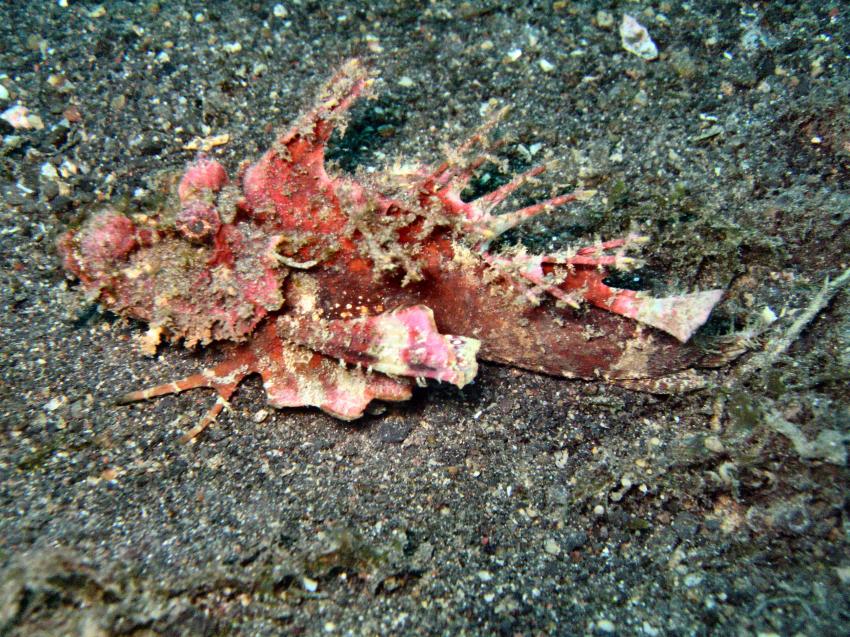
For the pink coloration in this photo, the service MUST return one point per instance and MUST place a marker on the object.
(111, 239)
(339, 292)
(403, 342)
(202, 176)
(198, 221)
(293, 376)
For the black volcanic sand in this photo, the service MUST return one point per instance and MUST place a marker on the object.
(523, 504)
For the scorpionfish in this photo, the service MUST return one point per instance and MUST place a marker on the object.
(339, 290)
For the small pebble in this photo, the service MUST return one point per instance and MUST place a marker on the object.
(513, 55)
(50, 190)
(48, 171)
(279, 11)
(55, 80)
(545, 65)
(649, 629)
(55, 403)
(118, 102)
(713, 444)
(68, 168)
(373, 43)
(551, 547)
(20, 118)
(561, 458)
(72, 114)
(604, 19)
(768, 316)
(692, 579)
(635, 39)
(108, 474)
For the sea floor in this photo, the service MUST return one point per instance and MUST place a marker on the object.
(522, 504)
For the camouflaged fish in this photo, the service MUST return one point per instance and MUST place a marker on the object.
(339, 291)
